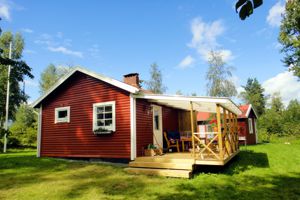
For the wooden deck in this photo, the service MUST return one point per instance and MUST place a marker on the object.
(172, 164)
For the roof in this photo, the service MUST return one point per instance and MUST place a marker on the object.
(246, 109)
(106, 79)
(200, 104)
(203, 116)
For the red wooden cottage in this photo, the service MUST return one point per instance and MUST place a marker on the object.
(246, 124)
(87, 115)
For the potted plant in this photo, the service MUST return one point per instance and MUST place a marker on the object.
(152, 150)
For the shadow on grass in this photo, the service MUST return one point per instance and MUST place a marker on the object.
(245, 160)
(245, 187)
(112, 185)
(17, 171)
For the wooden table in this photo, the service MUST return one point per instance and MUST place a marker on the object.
(185, 139)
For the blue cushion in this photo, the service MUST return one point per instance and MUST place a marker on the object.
(173, 135)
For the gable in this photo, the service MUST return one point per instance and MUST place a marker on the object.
(100, 77)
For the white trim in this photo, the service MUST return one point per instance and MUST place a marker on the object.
(39, 133)
(202, 104)
(106, 79)
(132, 127)
(111, 103)
(249, 109)
(63, 120)
(256, 133)
(250, 125)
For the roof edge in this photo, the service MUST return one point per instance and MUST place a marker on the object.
(249, 109)
(101, 77)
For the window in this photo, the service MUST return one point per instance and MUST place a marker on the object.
(104, 116)
(250, 124)
(62, 115)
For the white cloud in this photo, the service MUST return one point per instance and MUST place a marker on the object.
(275, 14)
(66, 51)
(5, 10)
(27, 30)
(186, 62)
(224, 53)
(286, 84)
(57, 43)
(205, 38)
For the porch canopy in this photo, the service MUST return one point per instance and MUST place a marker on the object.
(200, 104)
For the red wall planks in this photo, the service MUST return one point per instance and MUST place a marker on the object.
(244, 129)
(76, 139)
(144, 125)
(170, 119)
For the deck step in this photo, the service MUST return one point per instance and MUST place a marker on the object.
(162, 165)
(157, 159)
(160, 172)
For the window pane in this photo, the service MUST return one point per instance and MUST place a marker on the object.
(100, 109)
(62, 114)
(108, 115)
(108, 108)
(100, 123)
(108, 122)
(100, 116)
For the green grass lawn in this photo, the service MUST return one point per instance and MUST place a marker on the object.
(266, 171)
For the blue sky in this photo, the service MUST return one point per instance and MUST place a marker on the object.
(119, 37)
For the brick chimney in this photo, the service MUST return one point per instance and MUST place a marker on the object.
(132, 79)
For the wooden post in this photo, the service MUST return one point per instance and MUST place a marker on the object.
(236, 132)
(233, 131)
(220, 140)
(224, 124)
(192, 127)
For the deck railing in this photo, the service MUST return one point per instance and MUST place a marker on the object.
(223, 143)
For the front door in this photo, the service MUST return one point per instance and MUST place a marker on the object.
(157, 126)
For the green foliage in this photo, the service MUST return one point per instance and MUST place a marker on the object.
(24, 129)
(254, 94)
(246, 7)
(271, 122)
(19, 71)
(289, 36)
(280, 121)
(155, 84)
(218, 77)
(50, 76)
(276, 103)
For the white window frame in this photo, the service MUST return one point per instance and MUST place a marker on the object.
(109, 103)
(65, 119)
(250, 124)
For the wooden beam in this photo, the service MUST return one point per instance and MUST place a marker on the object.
(224, 122)
(220, 140)
(236, 132)
(192, 127)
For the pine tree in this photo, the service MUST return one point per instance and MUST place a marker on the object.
(254, 94)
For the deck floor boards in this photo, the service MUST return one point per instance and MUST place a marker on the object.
(173, 164)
